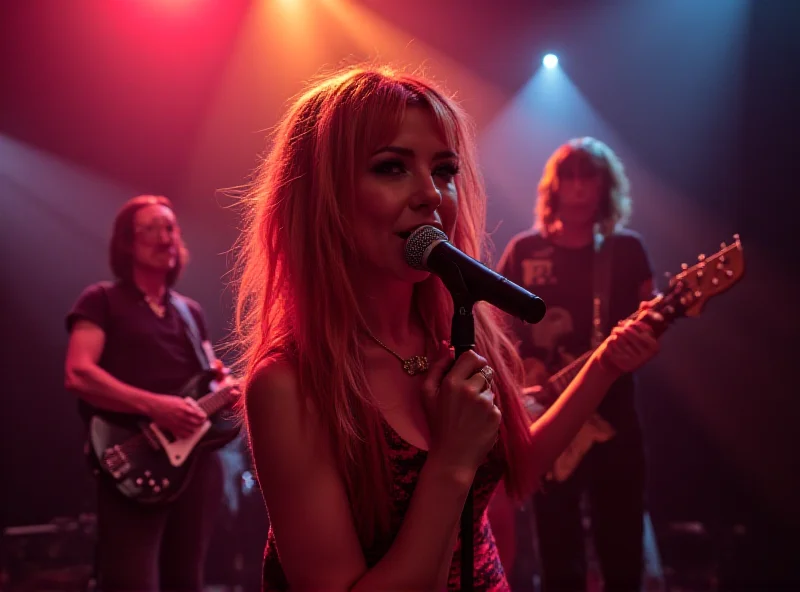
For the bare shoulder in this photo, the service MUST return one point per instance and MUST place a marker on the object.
(301, 484)
(273, 388)
(285, 433)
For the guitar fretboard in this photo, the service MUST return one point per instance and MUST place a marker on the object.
(213, 402)
(561, 379)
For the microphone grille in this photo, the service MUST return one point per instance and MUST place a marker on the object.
(418, 242)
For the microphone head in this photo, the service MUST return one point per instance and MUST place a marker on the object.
(419, 243)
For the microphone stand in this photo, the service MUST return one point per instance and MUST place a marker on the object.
(462, 337)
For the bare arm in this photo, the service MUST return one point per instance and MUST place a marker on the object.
(630, 345)
(555, 429)
(90, 382)
(309, 507)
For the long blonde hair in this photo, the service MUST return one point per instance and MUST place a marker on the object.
(615, 203)
(295, 294)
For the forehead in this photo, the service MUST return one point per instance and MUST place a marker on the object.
(152, 213)
(418, 125)
(580, 160)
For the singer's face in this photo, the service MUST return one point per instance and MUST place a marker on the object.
(407, 183)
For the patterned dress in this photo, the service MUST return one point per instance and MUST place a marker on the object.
(406, 463)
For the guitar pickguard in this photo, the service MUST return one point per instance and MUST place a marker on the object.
(179, 450)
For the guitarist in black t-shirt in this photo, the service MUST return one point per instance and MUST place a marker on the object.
(577, 243)
(128, 350)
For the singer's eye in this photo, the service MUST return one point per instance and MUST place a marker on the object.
(389, 167)
(446, 171)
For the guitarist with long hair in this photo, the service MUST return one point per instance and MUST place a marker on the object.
(592, 274)
(128, 351)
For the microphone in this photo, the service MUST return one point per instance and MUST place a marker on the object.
(429, 249)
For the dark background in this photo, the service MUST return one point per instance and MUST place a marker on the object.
(100, 101)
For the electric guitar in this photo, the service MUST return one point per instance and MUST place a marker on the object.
(150, 465)
(686, 296)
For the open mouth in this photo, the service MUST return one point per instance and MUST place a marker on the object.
(405, 234)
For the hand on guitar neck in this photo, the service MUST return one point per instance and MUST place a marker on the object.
(632, 343)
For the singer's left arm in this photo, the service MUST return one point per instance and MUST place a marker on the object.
(554, 430)
(630, 345)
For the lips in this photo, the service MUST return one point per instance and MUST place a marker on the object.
(404, 234)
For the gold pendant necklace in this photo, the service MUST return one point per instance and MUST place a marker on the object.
(411, 366)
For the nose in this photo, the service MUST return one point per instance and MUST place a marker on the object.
(578, 181)
(426, 194)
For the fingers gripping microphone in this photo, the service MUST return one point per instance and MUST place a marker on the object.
(428, 249)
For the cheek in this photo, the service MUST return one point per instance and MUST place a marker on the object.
(376, 205)
(597, 191)
(141, 251)
(448, 212)
(566, 191)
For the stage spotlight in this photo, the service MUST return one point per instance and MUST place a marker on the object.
(550, 60)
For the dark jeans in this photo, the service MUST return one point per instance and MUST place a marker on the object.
(612, 476)
(148, 549)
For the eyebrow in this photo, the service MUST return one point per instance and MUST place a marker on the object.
(409, 153)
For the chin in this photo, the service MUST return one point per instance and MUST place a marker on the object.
(163, 266)
(419, 276)
(410, 275)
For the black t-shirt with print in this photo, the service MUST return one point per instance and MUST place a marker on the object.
(563, 278)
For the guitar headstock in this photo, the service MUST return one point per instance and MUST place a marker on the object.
(694, 286)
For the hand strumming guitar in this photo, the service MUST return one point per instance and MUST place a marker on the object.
(179, 416)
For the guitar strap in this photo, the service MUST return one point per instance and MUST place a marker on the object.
(192, 332)
(601, 286)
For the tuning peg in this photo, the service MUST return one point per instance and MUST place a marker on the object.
(736, 237)
(684, 266)
(722, 245)
(701, 257)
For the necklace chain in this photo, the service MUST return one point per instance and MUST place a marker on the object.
(411, 366)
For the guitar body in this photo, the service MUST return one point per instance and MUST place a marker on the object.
(149, 465)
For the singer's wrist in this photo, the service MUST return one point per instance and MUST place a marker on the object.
(458, 475)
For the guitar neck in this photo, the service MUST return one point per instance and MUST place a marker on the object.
(559, 381)
(687, 295)
(213, 402)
